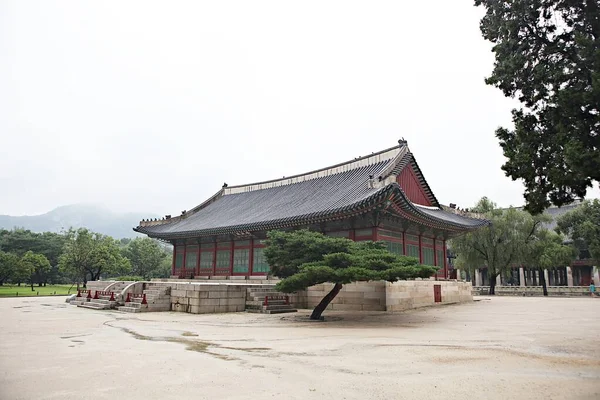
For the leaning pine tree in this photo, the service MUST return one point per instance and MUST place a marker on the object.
(304, 258)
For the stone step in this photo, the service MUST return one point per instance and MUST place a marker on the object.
(262, 301)
(135, 305)
(288, 310)
(277, 307)
(94, 306)
(262, 298)
(129, 309)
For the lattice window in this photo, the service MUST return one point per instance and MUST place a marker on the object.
(428, 256)
(206, 260)
(364, 232)
(260, 262)
(241, 259)
(412, 250)
(178, 260)
(388, 233)
(412, 238)
(440, 258)
(190, 260)
(394, 247)
(223, 260)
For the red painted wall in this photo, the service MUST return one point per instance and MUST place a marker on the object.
(409, 183)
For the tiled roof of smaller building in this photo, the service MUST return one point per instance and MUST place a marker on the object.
(344, 189)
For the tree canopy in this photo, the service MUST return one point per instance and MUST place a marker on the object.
(304, 258)
(497, 246)
(513, 238)
(547, 54)
(582, 225)
(36, 266)
(146, 257)
(8, 266)
(87, 255)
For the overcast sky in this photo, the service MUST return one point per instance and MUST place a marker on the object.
(147, 106)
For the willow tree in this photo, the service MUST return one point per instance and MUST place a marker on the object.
(304, 258)
(498, 246)
(546, 250)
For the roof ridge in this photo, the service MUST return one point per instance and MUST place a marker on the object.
(380, 156)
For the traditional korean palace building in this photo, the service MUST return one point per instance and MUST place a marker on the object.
(383, 196)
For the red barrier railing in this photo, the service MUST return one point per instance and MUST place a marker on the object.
(104, 293)
(131, 296)
(83, 291)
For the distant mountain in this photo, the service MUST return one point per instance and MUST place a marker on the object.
(93, 217)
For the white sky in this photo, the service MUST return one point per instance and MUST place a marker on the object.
(151, 106)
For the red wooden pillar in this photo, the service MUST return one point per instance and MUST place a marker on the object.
(231, 258)
(198, 259)
(174, 256)
(251, 261)
(404, 243)
(435, 260)
(375, 234)
(446, 259)
(214, 262)
(184, 257)
(420, 250)
(353, 235)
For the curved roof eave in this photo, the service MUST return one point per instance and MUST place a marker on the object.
(359, 207)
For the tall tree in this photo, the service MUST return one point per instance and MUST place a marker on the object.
(145, 255)
(87, 255)
(582, 225)
(498, 246)
(548, 56)
(8, 266)
(36, 265)
(304, 258)
(546, 250)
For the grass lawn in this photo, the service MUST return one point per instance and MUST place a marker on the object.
(24, 290)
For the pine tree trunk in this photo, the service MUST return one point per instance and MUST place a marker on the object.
(543, 280)
(493, 284)
(316, 314)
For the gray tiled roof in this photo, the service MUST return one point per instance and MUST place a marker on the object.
(342, 189)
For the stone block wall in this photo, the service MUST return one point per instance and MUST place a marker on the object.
(208, 298)
(405, 295)
(385, 296)
(356, 296)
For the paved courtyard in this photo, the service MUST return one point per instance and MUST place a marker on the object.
(499, 348)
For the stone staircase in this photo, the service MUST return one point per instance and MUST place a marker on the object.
(266, 300)
(155, 298)
(100, 295)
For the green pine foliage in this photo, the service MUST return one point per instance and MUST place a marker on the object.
(304, 258)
